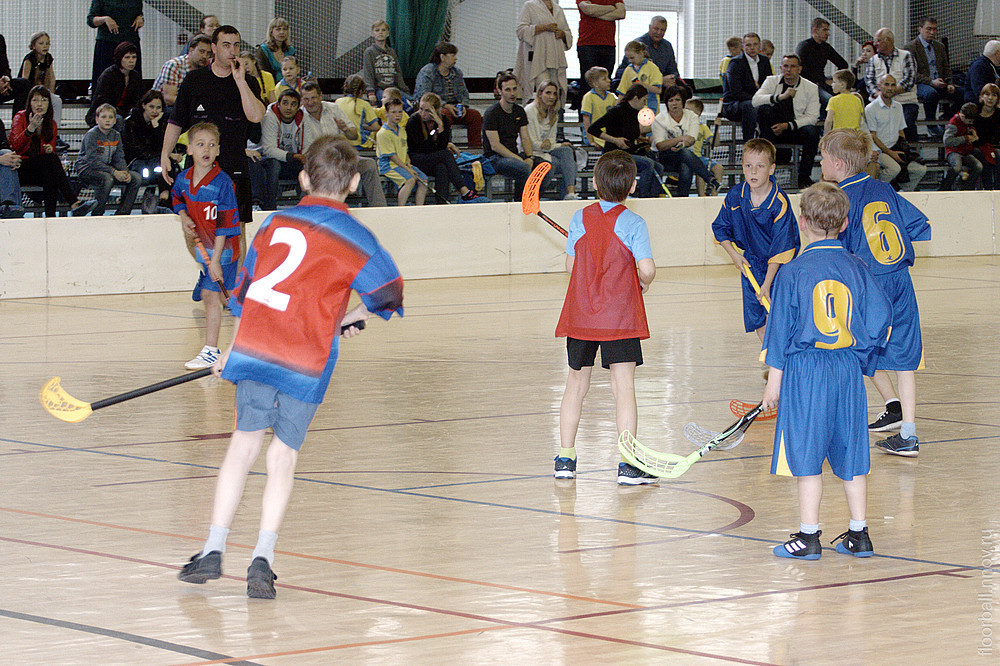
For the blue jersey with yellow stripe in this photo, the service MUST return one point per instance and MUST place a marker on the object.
(768, 232)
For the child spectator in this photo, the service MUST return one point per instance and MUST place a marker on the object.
(428, 142)
(757, 218)
(290, 76)
(33, 136)
(767, 48)
(642, 71)
(37, 70)
(380, 65)
(359, 111)
(543, 124)
(735, 46)
(393, 161)
(596, 102)
(988, 129)
(959, 146)
(894, 225)
(205, 198)
(101, 163)
(10, 187)
(829, 319)
(282, 143)
(845, 109)
(396, 94)
(142, 140)
(619, 128)
(119, 85)
(610, 263)
(287, 342)
(696, 106)
(264, 78)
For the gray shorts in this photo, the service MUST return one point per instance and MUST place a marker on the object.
(260, 406)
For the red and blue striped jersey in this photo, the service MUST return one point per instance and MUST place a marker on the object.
(211, 203)
(292, 293)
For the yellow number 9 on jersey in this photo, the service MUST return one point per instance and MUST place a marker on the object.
(832, 305)
(884, 239)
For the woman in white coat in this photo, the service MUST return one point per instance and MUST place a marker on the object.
(543, 37)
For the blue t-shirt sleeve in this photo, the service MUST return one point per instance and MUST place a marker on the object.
(917, 226)
(380, 285)
(575, 232)
(632, 231)
(722, 227)
(780, 321)
(785, 232)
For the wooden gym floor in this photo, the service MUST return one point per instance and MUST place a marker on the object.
(425, 526)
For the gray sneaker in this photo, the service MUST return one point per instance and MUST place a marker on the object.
(202, 568)
(260, 579)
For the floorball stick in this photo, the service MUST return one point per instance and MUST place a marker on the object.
(62, 405)
(739, 408)
(533, 191)
(426, 183)
(204, 255)
(671, 465)
(756, 286)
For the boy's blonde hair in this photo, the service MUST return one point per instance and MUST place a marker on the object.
(593, 74)
(734, 42)
(849, 145)
(380, 22)
(614, 175)
(824, 207)
(846, 76)
(762, 146)
(392, 93)
(331, 164)
(106, 107)
(208, 128)
(636, 47)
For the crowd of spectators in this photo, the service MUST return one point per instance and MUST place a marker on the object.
(270, 110)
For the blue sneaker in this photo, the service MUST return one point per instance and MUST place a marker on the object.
(565, 468)
(633, 476)
(898, 446)
(801, 547)
(854, 543)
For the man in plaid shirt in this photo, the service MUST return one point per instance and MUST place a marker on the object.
(174, 70)
(903, 68)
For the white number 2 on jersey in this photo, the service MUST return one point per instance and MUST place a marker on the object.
(262, 289)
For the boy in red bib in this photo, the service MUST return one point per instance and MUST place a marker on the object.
(611, 265)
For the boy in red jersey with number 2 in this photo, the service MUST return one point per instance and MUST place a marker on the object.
(291, 306)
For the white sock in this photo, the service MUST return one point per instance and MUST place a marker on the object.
(216, 539)
(265, 546)
(857, 525)
(808, 529)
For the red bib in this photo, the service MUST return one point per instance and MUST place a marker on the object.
(604, 298)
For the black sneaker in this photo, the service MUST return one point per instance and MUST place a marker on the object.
(260, 579)
(801, 547)
(565, 468)
(633, 476)
(202, 568)
(898, 446)
(890, 419)
(854, 543)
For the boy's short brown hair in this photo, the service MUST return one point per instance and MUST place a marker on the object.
(635, 46)
(970, 109)
(388, 102)
(208, 128)
(846, 76)
(733, 42)
(696, 105)
(593, 74)
(106, 107)
(614, 175)
(762, 146)
(331, 164)
(824, 206)
(849, 145)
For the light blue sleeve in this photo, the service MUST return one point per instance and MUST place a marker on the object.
(575, 232)
(632, 231)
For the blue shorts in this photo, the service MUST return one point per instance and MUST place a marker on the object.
(228, 278)
(905, 349)
(708, 162)
(754, 314)
(398, 175)
(822, 414)
(260, 406)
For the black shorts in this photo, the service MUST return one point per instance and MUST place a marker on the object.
(583, 352)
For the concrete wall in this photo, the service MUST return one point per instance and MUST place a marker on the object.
(108, 255)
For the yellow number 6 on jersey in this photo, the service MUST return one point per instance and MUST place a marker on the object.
(884, 239)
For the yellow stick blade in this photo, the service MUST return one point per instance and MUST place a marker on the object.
(62, 405)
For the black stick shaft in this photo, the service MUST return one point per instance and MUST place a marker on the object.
(152, 388)
(555, 225)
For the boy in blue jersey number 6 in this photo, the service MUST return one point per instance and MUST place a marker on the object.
(828, 320)
(291, 306)
(882, 228)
